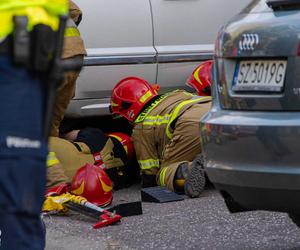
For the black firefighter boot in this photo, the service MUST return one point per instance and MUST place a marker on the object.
(190, 179)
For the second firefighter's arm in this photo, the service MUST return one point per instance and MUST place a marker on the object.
(146, 150)
(75, 13)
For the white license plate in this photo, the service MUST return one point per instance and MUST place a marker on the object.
(259, 75)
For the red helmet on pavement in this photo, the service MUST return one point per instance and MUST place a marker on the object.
(129, 97)
(92, 183)
(126, 142)
(200, 79)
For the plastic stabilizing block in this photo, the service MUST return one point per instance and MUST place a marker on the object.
(159, 194)
(127, 209)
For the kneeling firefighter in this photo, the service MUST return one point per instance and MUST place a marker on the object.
(73, 49)
(200, 79)
(31, 41)
(110, 153)
(165, 135)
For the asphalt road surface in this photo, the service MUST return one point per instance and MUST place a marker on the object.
(202, 223)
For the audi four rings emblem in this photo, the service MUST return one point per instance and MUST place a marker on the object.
(248, 41)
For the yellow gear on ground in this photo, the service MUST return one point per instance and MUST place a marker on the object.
(56, 203)
(38, 12)
(73, 155)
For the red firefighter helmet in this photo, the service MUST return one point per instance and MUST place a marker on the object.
(126, 142)
(200, 79)
(92, 183)
(129, 97)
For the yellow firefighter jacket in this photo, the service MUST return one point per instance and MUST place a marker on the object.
(66, 157)
(73, 43)
(154, 126)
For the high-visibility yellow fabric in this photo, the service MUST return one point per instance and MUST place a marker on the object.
(144, 114)
(145, 96)
(178, 109)
(71, 31)
(156, 120)
(55, 7)
(38, 12)
(72, 158)
(162, 176)
(149, 163)
(56, 203)
(196, 74)
(52, 159)
(177, 114)
(73, 43)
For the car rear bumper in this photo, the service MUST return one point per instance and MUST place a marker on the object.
(253, 158)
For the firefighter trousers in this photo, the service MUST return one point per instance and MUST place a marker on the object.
(64, 95)
(184, 145)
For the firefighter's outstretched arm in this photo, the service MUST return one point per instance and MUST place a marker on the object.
(147, 156)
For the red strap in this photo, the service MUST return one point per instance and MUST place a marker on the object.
(99, 161)
(57, 190)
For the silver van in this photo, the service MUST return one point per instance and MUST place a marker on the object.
(159, 40)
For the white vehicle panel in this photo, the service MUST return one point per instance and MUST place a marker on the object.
(117, 35)
(168, 74)
(116, 23)
(159, 40)
(185, 31)
(188, 22)
(106, 75)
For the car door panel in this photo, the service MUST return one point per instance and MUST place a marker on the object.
(118, 37)
(184, 33)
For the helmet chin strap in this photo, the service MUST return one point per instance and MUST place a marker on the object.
(156, 87)
(99, 161)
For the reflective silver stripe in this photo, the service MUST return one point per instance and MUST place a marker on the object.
(180, 58)
(145, 59)
(118, 60)
(71, 23)
(156, 120)
(149, 163)
(162, 176)
(179, 107)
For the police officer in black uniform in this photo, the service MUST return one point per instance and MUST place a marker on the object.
(31, 35)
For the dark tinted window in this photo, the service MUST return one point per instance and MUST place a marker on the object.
(257, 6)
(283, 4)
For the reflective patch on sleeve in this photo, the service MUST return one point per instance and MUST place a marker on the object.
(148, 164)
(177, 110)
(52, 159)
(162, 176)
(71, 32)
(156, 120)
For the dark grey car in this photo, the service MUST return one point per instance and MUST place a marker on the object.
(251, 136)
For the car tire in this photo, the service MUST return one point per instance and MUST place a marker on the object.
(295, 218)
